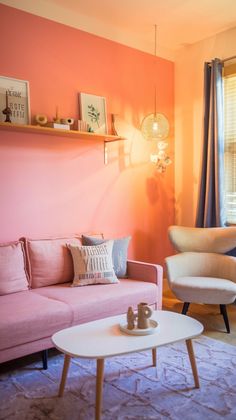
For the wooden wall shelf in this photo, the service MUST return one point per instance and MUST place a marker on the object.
(35, 129)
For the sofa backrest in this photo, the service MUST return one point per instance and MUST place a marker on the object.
(32, 263)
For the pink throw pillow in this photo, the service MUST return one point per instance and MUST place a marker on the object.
(13, 275)
(50, 261)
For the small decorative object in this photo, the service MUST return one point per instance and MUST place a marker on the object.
(113, 128)
(93, 111)
(56, 119)
(144, 313)
(131, 316)
(69, 121)
(154, 326)
(14, 94)
(161, 159)
(7, 110)
(82, 125)
(41, 119)
(139, 323)
(59, 126)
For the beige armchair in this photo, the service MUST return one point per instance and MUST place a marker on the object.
(200, 273)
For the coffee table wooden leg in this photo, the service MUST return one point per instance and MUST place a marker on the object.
(193, 362)
(64, 374)
(99, 388)
(154, 357)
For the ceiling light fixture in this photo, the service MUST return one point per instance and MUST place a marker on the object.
(155, 126)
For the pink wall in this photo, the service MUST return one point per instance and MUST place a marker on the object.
(56, 186)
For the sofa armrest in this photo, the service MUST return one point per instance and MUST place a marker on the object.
(151, 273)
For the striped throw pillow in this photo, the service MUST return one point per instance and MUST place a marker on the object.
(93, 264)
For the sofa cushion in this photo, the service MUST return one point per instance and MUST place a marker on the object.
(13, 275)
(99, 301)
(27, 316)
(93, 264)
(119, 252)
(50, 261)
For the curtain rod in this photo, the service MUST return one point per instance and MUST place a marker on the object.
(228, 59)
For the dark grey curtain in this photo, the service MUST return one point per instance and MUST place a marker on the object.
(210, 211)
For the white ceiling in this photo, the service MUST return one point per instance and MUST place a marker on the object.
(131, 22)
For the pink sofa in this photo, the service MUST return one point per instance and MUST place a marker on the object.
(36, 297)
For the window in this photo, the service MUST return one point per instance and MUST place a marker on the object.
(230, 142)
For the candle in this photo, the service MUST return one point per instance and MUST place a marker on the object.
(6, 99)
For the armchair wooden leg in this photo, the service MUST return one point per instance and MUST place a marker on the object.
(223, 312)
(185, 308)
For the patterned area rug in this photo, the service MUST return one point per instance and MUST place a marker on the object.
(133, 389)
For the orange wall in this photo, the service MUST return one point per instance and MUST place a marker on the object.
(56, 186)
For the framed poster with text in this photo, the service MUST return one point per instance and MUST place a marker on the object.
(14, 94)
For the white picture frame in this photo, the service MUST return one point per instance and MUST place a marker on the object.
(93, 111)
(14, 93)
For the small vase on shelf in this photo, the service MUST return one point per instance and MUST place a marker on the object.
(113, 128)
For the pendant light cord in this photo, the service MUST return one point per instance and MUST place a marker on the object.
(155, 90)
(155, 41)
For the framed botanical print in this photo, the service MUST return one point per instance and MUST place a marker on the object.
(93, 111)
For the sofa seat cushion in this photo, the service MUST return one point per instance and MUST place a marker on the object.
(100, 301)
(27, 316)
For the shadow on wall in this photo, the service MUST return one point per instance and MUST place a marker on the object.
(154, 190)
(154, 246)
(161, 198)
(132, 152)
(142, 243)
(148, 248)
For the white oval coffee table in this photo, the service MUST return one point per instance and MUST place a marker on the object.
(102, 338)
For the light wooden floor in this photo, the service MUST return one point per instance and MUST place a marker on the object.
(208, 315)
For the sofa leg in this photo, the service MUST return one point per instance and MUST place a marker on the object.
(45, 359)
(185, 308)
(223, 312)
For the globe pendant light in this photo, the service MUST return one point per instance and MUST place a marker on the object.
(155, 127)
